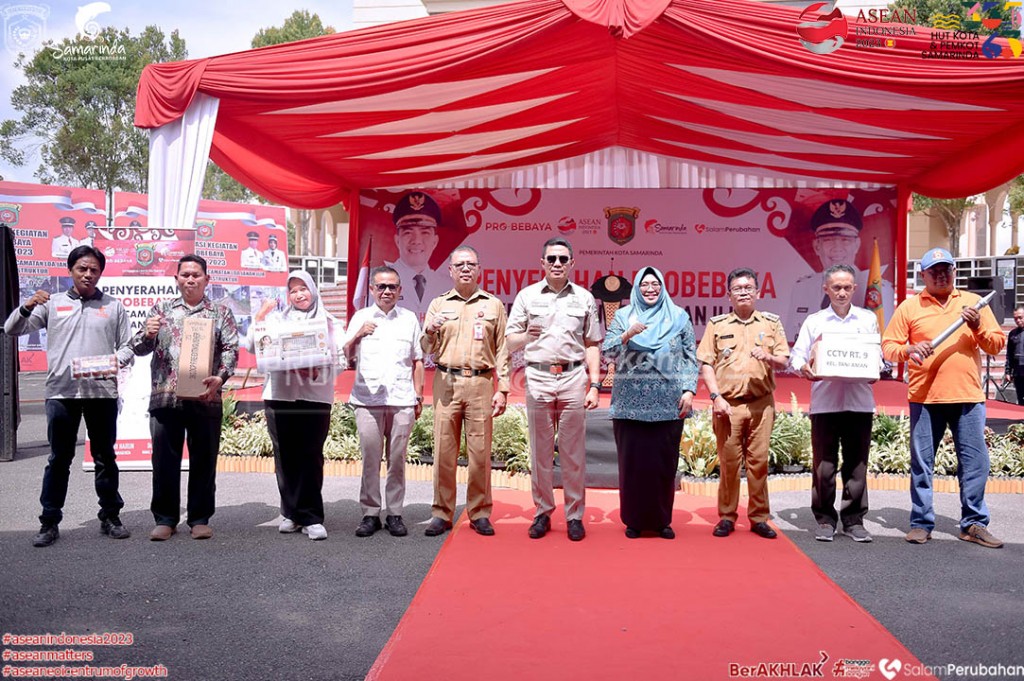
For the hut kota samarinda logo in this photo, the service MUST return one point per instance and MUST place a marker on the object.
(822, 28)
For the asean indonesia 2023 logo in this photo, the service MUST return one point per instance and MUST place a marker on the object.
(822, 28)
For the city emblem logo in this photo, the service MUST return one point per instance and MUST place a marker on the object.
(621, 224)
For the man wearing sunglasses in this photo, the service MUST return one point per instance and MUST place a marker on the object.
(555, 323)
(465, 331)
(387, 396)
(417, 218)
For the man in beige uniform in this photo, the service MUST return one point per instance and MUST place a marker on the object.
(739, 354)
(556, 324)
(465, 330)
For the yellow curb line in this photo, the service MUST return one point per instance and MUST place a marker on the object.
(703, 488)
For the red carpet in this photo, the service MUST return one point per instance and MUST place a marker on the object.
(508, 607)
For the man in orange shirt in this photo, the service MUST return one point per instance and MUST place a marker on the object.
(945, 390)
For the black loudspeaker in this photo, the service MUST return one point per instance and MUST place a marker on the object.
(982, 286)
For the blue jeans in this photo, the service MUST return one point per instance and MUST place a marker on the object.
(966, 421)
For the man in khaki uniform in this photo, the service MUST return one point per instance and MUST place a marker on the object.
(739, 354)
(556, 324)
(465, 330)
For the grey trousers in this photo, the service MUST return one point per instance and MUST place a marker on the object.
(554, 404)
(383, 431)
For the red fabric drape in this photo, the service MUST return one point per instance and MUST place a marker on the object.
(726, 85)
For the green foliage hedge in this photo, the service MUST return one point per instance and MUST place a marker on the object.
(789, 449)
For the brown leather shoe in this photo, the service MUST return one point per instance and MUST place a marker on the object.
(980, 535)
(918, 535)
(161, 533)
(201, 532)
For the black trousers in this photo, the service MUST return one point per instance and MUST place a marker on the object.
(298, 431)
(63, 418)
(1018, 386)
(198, 424)
(648, 459)
(852, 431)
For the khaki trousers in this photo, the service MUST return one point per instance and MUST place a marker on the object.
(462, 404)
(743, 437)
(554, 404)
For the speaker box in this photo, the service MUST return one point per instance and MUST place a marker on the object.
(983, 286)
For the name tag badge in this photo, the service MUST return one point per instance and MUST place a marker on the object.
(64, 311)
(478, 331)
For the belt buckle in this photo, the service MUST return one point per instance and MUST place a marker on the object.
(556, 369)
(466, 373)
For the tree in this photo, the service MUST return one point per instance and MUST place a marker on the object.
(299, 26)
(77, 109)
(950, 211)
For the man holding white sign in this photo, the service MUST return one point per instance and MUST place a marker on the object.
(841, 411)
(945, 390)
(84, 326)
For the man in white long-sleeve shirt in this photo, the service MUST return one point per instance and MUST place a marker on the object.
(841, 413)
(82, 322)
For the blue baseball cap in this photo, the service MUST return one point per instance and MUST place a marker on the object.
(936, 256)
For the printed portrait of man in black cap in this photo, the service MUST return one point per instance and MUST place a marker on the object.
(273, 257)
(252, 257)
(91, 233)
(65, 243)
(417, 219)
(836, 225)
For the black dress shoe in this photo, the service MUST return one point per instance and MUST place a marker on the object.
(724, 528)
(367, 526)
(482, 526)
(46, 536)
(113, 528)
(395, 526)
(632, 534)
(541, 525)
(667, 533)
(763, 530)
(437, 526)
(576, 530)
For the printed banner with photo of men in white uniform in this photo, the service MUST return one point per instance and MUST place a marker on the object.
(694, 236)
(141, 261)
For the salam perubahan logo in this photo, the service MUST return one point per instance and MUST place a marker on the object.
(827, 30)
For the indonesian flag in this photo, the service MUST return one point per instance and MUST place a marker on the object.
(873, 295)
(361, 297)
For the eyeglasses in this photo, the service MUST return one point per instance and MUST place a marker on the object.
(743, 289)
(648, 285)
(386, 287)
(560, 259)
(465, 265)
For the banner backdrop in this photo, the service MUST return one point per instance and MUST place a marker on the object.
(245, 247)
(694, 236)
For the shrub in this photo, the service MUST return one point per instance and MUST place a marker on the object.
(790, 443)
(698, 449)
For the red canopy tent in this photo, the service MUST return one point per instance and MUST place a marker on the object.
(569, 93)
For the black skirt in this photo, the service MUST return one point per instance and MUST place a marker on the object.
(648, 459)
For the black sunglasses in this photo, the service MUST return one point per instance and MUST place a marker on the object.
(561, 259)
(386, 287)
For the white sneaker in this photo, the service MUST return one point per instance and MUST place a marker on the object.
(315, 532)
(287, 526)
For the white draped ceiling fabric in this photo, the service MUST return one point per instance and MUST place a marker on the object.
(587, 93)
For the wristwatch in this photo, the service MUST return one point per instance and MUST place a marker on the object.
(595, 385)
(715, 396)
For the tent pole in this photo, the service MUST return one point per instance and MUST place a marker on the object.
(8, 351)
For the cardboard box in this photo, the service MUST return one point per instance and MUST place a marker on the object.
(94, 366)
(195, 362)
(848, 357)
(283, 345)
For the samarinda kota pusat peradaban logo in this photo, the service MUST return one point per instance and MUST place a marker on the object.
(822, 28)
